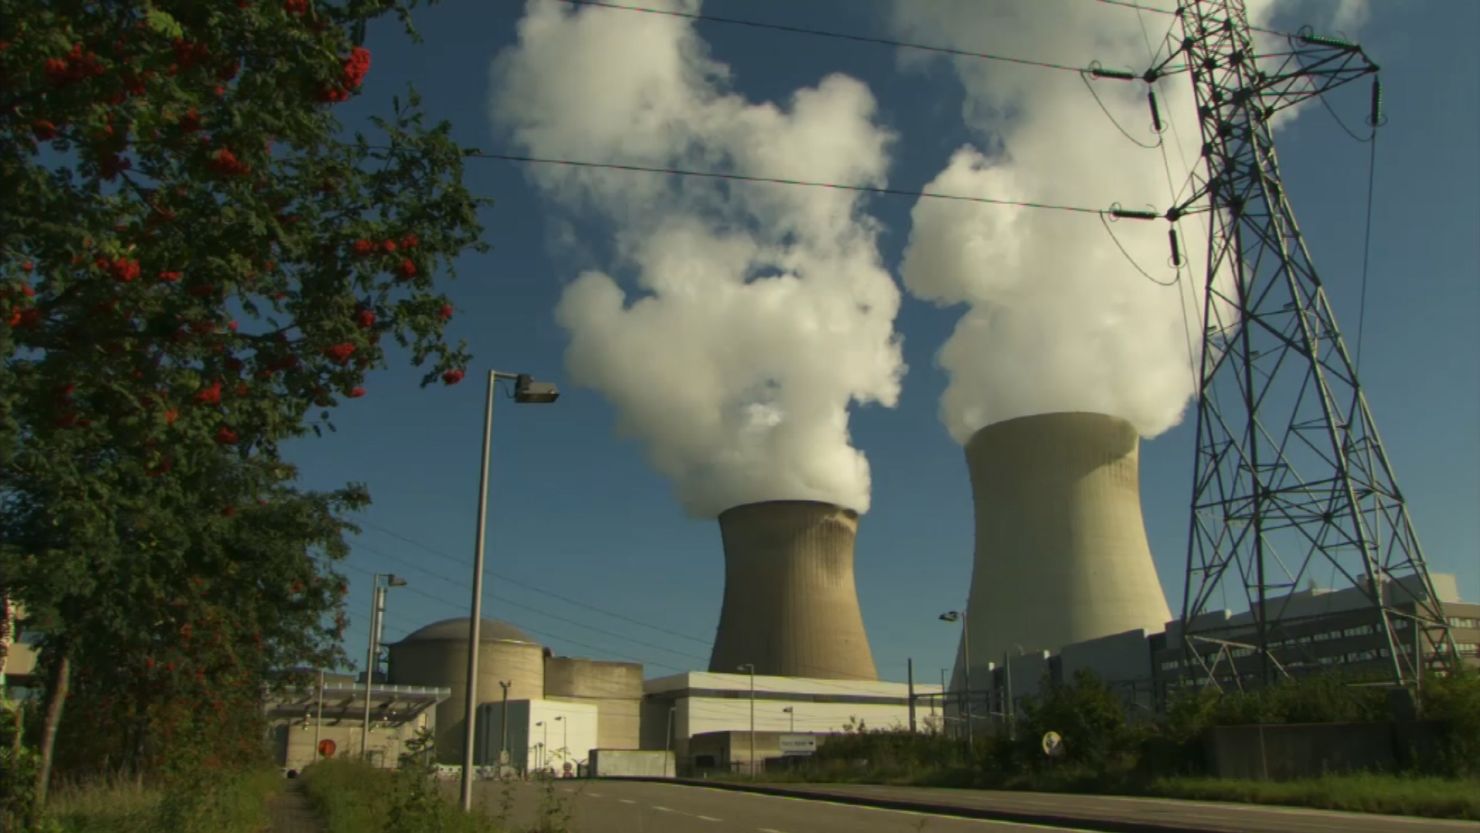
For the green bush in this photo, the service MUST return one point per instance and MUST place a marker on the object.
(355, 797)
(1090, 718)
(1454, 702)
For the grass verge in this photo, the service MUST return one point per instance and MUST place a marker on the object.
(354, 797)
(1452, 798)
(229, 803)
(1402, 795)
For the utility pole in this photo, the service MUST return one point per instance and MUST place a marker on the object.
(909, 665)
(749, 666)
(1009, 708)
(377, 604)
(318, 719)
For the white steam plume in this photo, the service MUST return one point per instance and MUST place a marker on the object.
(1058, 317)
(761, 312)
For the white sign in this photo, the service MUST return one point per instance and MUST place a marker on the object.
(798, 744)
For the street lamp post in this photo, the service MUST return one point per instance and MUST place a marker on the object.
(751, 668)
(377, 613)
(526, 390)
(791, 712)
(503, 724)
(564, 741)
(951, 616)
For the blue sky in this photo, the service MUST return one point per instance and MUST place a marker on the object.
(577, 512)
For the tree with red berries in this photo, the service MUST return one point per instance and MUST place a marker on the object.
(195, 265)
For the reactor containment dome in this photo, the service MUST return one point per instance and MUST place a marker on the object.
(437, 655)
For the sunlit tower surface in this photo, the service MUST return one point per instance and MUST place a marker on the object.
(1291, 484)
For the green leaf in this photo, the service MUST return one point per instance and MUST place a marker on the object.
(161, 22)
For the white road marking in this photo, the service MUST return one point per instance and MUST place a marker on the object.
(596, 795)
(626, 801)
(660, 808)
(708, 818)
(769, 830)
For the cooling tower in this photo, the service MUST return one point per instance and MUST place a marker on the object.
(1061, 552)
(791, 606)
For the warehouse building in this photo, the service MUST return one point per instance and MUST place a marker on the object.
(705, 717)
(1319, 631)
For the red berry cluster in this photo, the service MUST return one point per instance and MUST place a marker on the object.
(224, 162)
(351, 75)
(123, 270)
(340, 353)
(78, 64)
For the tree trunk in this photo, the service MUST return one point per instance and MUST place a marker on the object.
(56, 697)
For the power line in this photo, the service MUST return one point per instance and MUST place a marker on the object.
(536, 589)
(1128, 4)
(547, 635)
(833, 684)
(824, 33)
(866, 189)
(511, 603)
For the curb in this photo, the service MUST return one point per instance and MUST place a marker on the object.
(1096, 823)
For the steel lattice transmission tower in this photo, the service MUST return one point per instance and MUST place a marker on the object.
(1291, 484)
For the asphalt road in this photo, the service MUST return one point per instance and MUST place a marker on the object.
(1150, 813)
(614, 806)
(644, 807)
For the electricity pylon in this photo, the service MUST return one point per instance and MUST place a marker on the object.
(1290, 477)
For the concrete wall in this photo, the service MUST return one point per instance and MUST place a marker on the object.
(437, 656)
(614, 688)
(1061, 551)
(790, 603)
(1279, 752)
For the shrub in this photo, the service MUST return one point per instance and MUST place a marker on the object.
(1455, 703)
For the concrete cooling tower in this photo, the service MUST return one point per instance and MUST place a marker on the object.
(1061, 552)
(791, 606)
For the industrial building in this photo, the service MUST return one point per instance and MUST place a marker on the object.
(538, 687)
(1319, 631)
(705, 717)
(324, 720)
(790, 602)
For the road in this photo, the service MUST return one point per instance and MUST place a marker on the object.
(613, 806)
(644, 807)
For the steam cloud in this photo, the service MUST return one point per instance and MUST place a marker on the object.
(1058, 318)
(760, 312)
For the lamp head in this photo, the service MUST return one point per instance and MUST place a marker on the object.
(394, 580)
(529, 391)
(950, 616)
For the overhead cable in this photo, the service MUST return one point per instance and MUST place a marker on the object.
(823, 33)
(866, 189)
(1128, 4)
(552, 594)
